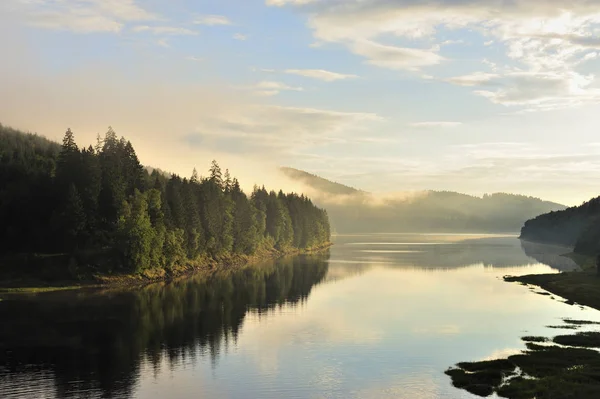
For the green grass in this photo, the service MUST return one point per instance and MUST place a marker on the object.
(577, 287)
(564, 327)
(582, 339)
(558, 373)
(580, 322)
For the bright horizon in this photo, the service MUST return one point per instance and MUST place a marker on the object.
(381, 95)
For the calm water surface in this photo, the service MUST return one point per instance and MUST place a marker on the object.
(379, 316)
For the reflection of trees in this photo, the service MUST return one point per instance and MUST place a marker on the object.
(551, 255)
(494, 252)
(96, 342)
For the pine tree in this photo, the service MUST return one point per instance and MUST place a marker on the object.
(215, 174)
(227, 183)
(73, 218)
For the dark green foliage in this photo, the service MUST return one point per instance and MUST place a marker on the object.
(557, 372)
(577, 227)
(582, 339)
(60, 199)
(580, 322)
(480, 383)
(535, 339)
(498, 364)
(28, 197)
(72, 219)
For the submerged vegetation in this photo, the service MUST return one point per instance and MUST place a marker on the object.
(70, 212)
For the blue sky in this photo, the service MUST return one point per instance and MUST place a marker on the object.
(385, 95)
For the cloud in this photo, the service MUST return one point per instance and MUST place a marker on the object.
(239, 36)
(393, 57)
(320, 74)
(82, 16)
(435, 124)
(543, 38)
(543, 91)
(268, 129)
(212, 20)
(164, 30)
(473, 79)
(270, 88)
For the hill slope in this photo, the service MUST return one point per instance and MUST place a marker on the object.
(318, 183)
(353, 211)
(573, 227)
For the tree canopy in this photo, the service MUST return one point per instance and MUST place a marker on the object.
(63, 198)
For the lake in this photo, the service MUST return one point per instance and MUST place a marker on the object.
(377, 316)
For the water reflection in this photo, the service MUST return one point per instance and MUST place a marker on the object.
(92, 344)
(345, 324)
(354, 255)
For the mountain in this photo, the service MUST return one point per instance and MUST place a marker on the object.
(355, 211)
(576, 227)
(317, 183)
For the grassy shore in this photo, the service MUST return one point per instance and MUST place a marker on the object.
(30, 283)
(559, 367)
(576, 287)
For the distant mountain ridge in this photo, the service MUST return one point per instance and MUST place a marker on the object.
(318, 183)
(352, 210)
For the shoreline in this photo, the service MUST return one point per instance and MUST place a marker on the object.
(203, 264)
(548, 367)
(581, 287)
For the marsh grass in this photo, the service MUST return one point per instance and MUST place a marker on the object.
(535, 339)
(548, 371)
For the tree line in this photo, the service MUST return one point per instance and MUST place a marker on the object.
(577, 227)
(66, 199)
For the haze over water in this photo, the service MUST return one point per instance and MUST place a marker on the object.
(379, 316)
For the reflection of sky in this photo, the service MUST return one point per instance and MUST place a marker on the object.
(384, 331)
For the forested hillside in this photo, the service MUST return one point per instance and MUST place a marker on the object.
(318, 183)
(576, 227)
(67, 199)
(355, 211)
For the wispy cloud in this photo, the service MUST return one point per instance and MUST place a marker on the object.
(239, 36)
(546, 39)
(164, 30)
(84, 16)
(394, 57)
(270, 88)
(213, 20)
(320, 74)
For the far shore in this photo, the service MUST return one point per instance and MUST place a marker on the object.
(202, 265)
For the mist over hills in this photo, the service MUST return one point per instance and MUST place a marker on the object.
(352, 210)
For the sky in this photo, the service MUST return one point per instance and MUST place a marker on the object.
(383, 95)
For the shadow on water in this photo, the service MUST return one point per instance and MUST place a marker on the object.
(94, 343)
